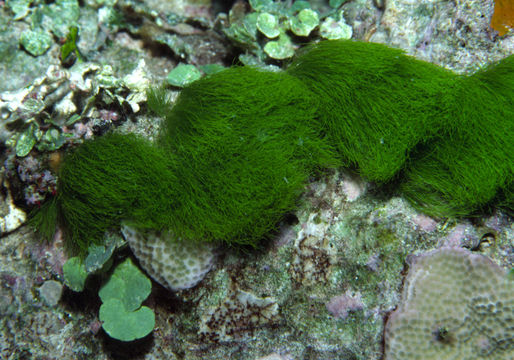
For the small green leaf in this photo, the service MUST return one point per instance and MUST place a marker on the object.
(211, 68)
(36, 42)
(304, 22)
(299, 6)
(260, 5)
(27, 140)
(249, 60)
(70, 46)
(126, 325)
(245, 31)
(336, 3)
(20, 8)
(74, 274)
(51, 140)
(183, 75)
(250, 24)
(268, 25)
(280, 49)
(332, 30)
(73, 119)
(128, 284)
(98, 256)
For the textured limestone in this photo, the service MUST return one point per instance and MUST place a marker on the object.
(240, 313)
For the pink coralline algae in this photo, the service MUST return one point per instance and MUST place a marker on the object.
(340, 306)
(38, 182)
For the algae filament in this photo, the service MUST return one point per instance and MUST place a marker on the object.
(237, 147)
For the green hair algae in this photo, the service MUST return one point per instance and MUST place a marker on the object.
(112, 178)
(243, 145)
(236, 149)
(472, 161)
(377, 103)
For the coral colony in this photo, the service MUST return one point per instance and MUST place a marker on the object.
(455, 305)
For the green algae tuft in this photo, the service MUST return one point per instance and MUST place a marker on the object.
(376, 103)
(472, 160)
(235, 150)
(109, 179)
(243, 145)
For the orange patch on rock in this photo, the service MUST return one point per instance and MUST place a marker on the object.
(503, 17)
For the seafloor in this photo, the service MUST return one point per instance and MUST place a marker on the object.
(321, 288)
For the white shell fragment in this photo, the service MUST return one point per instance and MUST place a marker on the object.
(11, 217)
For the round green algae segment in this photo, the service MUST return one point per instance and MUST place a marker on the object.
(112, 178)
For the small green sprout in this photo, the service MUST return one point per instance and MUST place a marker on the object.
(27, 139)
(121, 313)
(306, 21)
(126, 325)
(280, 49)
(127, 284)
(268, 25)
(211, 68)
(75, 274)
(98, 259)
(69, 50)
(271, 30)
(51, 140)
(73, 119)
(183, 75)
(335, 28)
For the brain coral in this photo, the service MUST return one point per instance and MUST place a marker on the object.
(176, 265)
(455, 305)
